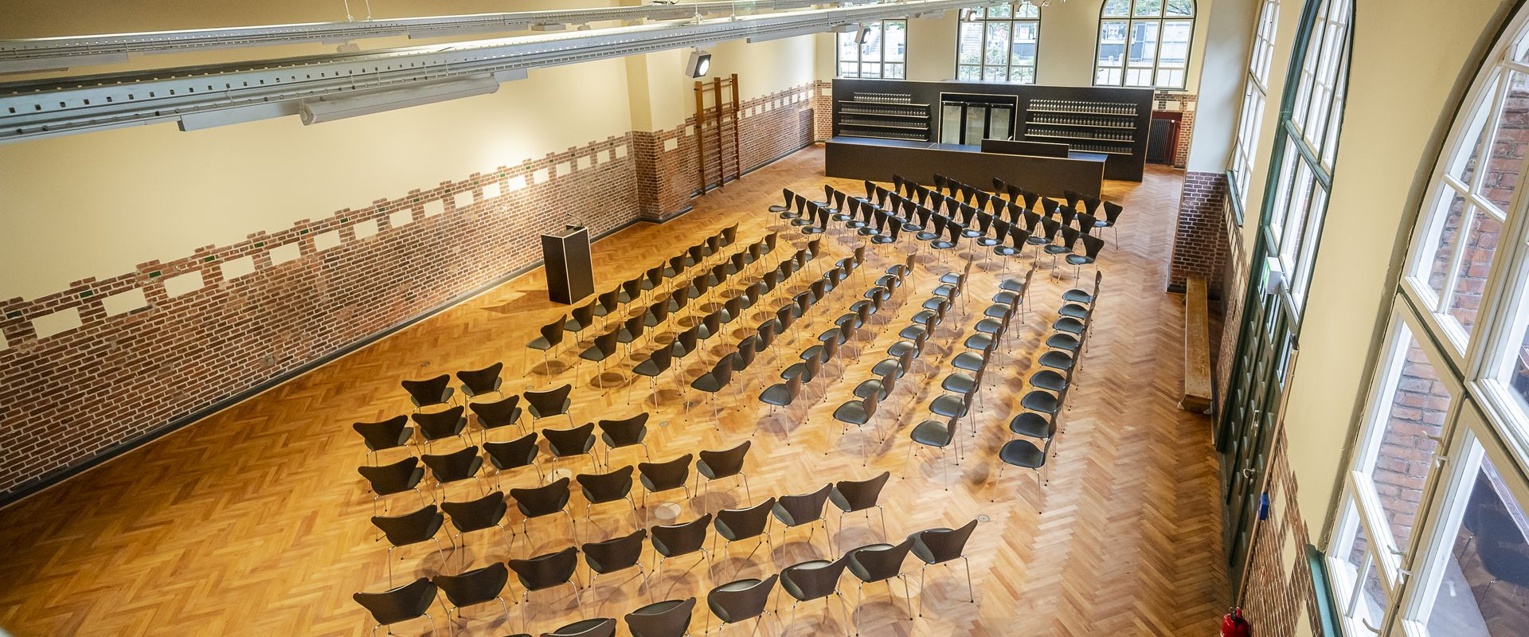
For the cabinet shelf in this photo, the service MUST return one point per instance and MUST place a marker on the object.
(897, 126)
(892, 104)
(1044, 110)
(1083, 139)
(1084, 126)
(896, 115)
(905, 138)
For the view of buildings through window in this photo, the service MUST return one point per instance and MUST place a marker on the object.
(1144, 43)
(879, 50)
(998, 44)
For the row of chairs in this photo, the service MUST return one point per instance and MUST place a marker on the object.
(395, 433)
(1035, 428)
(733, 602)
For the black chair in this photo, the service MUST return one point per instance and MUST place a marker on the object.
(476, 383)
(657, 477)
(411, 528)
(549, 403)
(604, 347)
(740, 600)
(546, 571)
(632, 329)
(477, 586)
(1024, 453)
(679, 540)
(716, 465)
(713, 382)
(500, 413)
(457, 466)
(940, 546)
(580, 319)
(1091, 247)
(806, 508)
(429, 392)
(813, 580)
(476, 515)
(625, 432)
(782, 395)
(551, 337)
(600, 488)
(615, 555)
(398, 477)
(397, 605)
(938, 434)
(851, 496)
(881, 563)
(606, 303)
(599, 627)
(1112, 212)
(393, 433)
(543, 501)
(859, 413)
(735, 525)
(567, 443)
(435, 426)
(517, 453)
(658, 362)
(670, 618)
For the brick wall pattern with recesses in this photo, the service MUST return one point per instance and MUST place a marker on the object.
(1200, 239)
(91, 368)
(1234, 281)
(1278, 591)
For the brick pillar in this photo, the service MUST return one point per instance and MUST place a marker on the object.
(1199, 241)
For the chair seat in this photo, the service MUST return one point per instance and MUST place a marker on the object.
(866, 231)
(775, 395)
(539, 343)
(971, 233)
(869, 387)
(969, 361)
(998, 309)
(1029, 423)
(909, 226)
(948, 405)
(812, 230)
(1036, 240)
(791, 587)
(797, 369)
(959, 383)
(988, 242)
(647, 368)
(1056, 249)
(882, 239)
(888, 281)
(949, 278)
(932, 433)
(778, 208)
(1049, 380)
(1005, 251)
(910, 332)
(1074, 310)
(855, 307)
(1066, 342)
(707, 383)
(1041, 401)
(1078, 296)
(1068, 324)
(856, 225)
(942, 245)
(944, 291)
(1022, 453)
(1078, 259)
(979, 341)
(924, 236)
(852, 412)
(888, 366)
(1012, 285)
(1057, 360)
(932, 304)
(899, 348)
(986, 326)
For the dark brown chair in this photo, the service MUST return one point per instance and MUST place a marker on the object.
(669, 618)
(501, 413)
(813, 580)
(514, 454)
(457, 466)
(567, 443)
(476, 383)
(941, 546)
(802, 509)
(615, 555)
(546, 571)
(401, 604)
(397, 477)
(600, 488)
(550, 403)
(657, 477)
(393, 433)
(678, 540)
(434, 426)
(740, 600)
(715, 465)
(477, 586)
(851, 496)
(428, 392)
(410, 529)
(544, 501)
(551, 337)
(626, 432)
(476, 515)
(881, 563)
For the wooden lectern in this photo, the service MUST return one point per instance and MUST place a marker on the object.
(570, 272)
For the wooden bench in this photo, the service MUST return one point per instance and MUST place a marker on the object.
(1197, 372)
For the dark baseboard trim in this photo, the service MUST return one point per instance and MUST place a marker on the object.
(57, 476)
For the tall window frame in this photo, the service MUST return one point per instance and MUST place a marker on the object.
(999, 44)
(1144, 43)
(1472, 234)
(883, 54)
(1255, 95)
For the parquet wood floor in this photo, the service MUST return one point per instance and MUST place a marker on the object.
(254, 521)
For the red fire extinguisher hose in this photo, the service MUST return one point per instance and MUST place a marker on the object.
(1233, 625)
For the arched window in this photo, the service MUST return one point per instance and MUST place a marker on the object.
(881, 51)
(1255, 93)
(998, 44)
(1144, 43)
(1430, 535)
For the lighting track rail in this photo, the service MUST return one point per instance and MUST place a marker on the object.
(213, 95)
(41, 54)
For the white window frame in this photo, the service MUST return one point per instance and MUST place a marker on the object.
(1131, 20)
(1255, 97)
(1014, 20)
(880, 26)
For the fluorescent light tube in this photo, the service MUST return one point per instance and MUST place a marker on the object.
(354, 105)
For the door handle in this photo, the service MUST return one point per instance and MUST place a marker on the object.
(1247, 474)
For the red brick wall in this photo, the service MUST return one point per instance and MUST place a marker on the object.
(1234, 282)
(71, 396)
(1179, 103)
(1277, 586)
(1200, 240)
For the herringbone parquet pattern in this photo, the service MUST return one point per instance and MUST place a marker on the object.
(254, 521)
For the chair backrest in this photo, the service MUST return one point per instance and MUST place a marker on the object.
(1051, 226)
(584, 315)
(1112, 212)
(814, 580)
(382, 435)
(606, 487)
(625, 431)
(744, 357)
(449, 467)
(615, 554)
(440, 424)
(662, 476)
(796, 510)
(476, 586)
(1069, 236)
(1086, 222)
(412, 527)
(1032, 221)
(520, 452)
(392, 478)
(598, 627)
(741, 524)
(570, 442)
(1050, 206)
(544, 500)
(873, 564)
(606, 343)
(942, 545)
(547, 570)
(476, 515)
(659, 311)
(1092, 245)
(858, 495)
(722, 372)
(669, 618)
(481, 380)
(548, 402)
(428, 391)
(681, 539)
(634, 327)
(609, 300)
(728, 462)
(498, 413)
(404, 603)
(732, 603)
(1018, 236)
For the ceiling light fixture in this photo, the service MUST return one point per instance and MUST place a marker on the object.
(698, 64)
(355, 105)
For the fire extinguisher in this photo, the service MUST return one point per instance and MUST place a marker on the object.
(1233, 625)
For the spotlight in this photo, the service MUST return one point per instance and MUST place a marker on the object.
(698, 64)
(862, 35)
